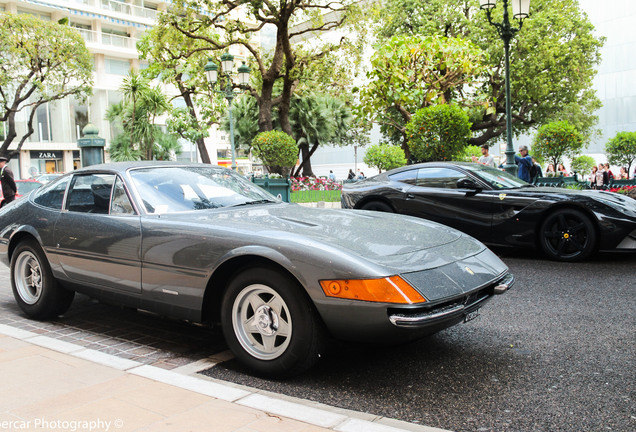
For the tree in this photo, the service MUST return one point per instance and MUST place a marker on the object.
(277, 150)
(385, 157)
(553, 60)
(438, 133)
(280, 71)
(555, 141)
(40, 61)
(136, 116)
(410, 73)
(621, 150)
(582, 164)
(179, 60)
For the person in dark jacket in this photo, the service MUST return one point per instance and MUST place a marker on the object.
(9, 188)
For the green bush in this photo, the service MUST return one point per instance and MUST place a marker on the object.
(277, 150)
(583, 164)
(621, 150)
(555, 141)
(385, 157)
(438, 133)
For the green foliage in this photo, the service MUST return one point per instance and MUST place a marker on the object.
(40, 61)
(385, 157)
(136, 116)
(277, 150)
(438, 133)
(583, 164)
(621, 150)
(410, 73)
(468, 153)
(245, 116)
(553, 59)
(557, 140)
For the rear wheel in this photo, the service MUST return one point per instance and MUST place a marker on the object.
(567, 235)
(377, 206)
(269, 323)
(35, 290)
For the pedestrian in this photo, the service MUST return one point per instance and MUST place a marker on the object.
(549, 171)
(538, 170)
(332, 176)
(610, 174)
(623, 174)
(592, 177)
(9, 188)
(524, 164)
(485, 158)
(561, 169)
(602, 180)
(351, 175)
(361, 176)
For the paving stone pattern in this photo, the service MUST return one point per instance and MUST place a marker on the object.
(126, 333)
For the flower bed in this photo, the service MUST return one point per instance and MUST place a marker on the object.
(313, 184)
(630, 191)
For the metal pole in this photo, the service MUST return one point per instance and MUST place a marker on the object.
(229, 95)
(510, 166)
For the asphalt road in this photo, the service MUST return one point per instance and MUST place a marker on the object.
(556, 353)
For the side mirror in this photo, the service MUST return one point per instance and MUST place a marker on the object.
(466, 183)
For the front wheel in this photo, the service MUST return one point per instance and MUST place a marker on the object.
(35, 290)
(269, 323)
(567, 235)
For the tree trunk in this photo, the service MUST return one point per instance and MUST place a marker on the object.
(203, 151)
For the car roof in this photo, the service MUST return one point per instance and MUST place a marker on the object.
(122, 167)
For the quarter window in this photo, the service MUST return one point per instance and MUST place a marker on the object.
(52, 195)
(120, 204)
(408, 177)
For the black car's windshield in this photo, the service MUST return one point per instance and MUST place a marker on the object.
(176, 189)
(496, 178)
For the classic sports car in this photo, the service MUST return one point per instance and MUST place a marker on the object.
(500, 209)
(200, 243)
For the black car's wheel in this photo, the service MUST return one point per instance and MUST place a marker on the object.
(34, 288)
(567, 235)
(377, 206)
(269, 324)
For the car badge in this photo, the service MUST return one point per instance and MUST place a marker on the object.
(502, 196)
(469, 270)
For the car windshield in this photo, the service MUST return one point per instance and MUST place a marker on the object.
(496, 178)
(176, 189)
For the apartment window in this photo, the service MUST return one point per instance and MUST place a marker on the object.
(42, 124)
(41, 15)
(116, 38)
(85, 30)
(79, 118)
(116, 67)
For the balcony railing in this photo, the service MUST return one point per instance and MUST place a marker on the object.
(108, 39)
(129, 9)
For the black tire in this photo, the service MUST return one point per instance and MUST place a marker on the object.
(567, 235)
(287, 337)
(377, 206)
(35, 290)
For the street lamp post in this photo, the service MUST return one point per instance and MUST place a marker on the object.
(520, 11)
(212, 74)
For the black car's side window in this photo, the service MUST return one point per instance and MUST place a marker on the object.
(90, 193)
(120, 204)
(52, 195)
(408, 177)
(441, 178)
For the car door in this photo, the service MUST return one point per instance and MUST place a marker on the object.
(98, 234)
(436, 196)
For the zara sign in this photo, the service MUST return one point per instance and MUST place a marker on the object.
(36, 154)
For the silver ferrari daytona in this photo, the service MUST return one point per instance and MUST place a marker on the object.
(200, 243)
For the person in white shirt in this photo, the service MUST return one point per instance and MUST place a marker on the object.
(485, 157)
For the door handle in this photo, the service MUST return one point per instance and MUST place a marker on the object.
(410, 196)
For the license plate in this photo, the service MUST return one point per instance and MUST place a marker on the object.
(471, 315)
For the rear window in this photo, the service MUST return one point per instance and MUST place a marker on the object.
(52, 195)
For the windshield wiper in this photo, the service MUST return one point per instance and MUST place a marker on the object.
(263, 201)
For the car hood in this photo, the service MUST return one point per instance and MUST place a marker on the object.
(383, 238)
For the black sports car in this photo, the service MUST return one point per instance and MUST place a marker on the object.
(500, 209)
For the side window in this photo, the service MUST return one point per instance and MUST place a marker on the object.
(441, 178)
(120, 205)
(52, 195)
(90, 193)
(408, 177)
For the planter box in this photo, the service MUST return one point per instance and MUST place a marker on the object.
(280, 187)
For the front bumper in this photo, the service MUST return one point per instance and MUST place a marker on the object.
(454, 310)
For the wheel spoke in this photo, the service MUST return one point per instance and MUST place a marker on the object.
(249, 325)
(563, 223)
(283, 328)
(269, 344)
(561, 245)
(578, 246)
(577, 228)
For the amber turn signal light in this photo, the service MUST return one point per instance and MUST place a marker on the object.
(392, 289)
